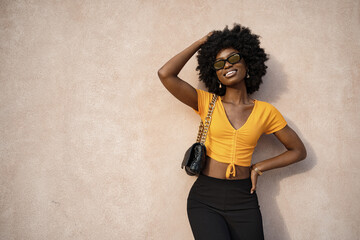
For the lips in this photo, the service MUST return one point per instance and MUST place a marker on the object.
(230, 73)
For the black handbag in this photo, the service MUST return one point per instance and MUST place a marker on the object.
(195, 157)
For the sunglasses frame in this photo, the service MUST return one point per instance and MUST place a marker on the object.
(227, 60)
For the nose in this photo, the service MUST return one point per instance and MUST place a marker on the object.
(227, 64)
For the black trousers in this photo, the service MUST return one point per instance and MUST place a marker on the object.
(221, 209)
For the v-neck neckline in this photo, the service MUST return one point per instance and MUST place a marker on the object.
(228, 120)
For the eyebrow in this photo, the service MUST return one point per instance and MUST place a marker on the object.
(226, 57)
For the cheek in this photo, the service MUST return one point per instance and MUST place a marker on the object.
(242, 69)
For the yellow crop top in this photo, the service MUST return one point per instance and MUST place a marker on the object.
(226, 144)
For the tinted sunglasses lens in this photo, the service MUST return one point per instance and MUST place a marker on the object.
(234, 58)
(219, 64)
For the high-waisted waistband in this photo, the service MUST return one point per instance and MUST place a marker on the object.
(224, 194)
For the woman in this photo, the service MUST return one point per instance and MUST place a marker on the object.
(222, 203)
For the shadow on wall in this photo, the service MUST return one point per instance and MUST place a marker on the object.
(274, 82)
(268, 186)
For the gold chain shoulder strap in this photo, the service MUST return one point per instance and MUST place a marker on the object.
(203, 129)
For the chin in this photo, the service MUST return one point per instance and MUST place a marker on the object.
(232, 82)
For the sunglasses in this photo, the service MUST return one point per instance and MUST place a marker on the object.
(232, 59)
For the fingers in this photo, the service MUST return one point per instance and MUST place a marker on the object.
(253, 181)
(253, 189)
(204, 39)
(210, 33)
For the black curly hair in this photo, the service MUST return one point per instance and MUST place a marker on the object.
(241, 39)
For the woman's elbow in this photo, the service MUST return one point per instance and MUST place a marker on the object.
(302, 153)
(161, 73)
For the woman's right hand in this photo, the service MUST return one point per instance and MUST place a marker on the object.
(205, 38)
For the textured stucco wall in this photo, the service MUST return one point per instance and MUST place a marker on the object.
(91, 142)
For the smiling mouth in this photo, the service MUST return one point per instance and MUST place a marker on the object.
(230, 73)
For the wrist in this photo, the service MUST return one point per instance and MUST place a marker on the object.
(201, 41)
(256, 169)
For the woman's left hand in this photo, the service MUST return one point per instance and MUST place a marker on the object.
(254, 177)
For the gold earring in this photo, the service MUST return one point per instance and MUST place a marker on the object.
(247, 75)
(220, 85)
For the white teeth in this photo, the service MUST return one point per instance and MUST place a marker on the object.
(230, 73)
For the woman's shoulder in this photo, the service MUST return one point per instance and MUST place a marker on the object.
(204, 94)
(203, 91)
(265, 105)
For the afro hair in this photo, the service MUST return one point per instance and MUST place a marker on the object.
(241, 39)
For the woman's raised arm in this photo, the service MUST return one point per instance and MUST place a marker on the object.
(175, 85)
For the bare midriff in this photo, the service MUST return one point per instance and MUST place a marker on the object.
(217, 169)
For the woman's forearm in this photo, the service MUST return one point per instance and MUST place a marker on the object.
(175, 64)
(282, 160)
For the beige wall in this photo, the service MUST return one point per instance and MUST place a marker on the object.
(91, 142)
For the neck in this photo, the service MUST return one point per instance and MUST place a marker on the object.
(237, 94)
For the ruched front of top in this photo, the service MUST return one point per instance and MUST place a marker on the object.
(226, 144)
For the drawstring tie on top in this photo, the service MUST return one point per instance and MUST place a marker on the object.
(230, 170)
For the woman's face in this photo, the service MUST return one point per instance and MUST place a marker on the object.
(230, 74)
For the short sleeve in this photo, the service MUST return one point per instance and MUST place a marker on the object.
(275, 121)
(203, 102)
